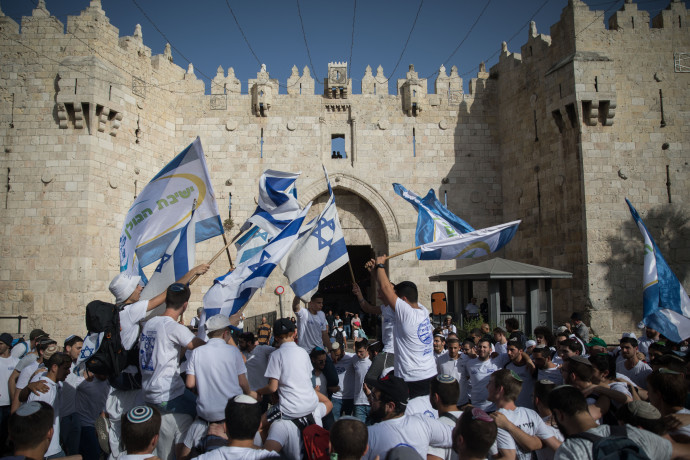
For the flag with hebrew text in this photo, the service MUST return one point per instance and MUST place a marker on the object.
(164, 206)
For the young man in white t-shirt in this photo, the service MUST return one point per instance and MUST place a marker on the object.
(7, 364)
(57, 369)
(289, 373)
(256, 359)
(361, 367)
(445, 392)
(521, 430)
(140, 432)
(631, 366)
(343, 399)
(31, 430)
(478, 371)
(523, 366)
(218, 373)
(413, 333)
(162, 340)
(546, 368)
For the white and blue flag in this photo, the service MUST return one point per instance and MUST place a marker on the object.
(232, 291)
(478, 243)
(434, 221)
(277, 204)
(177, 260)
(319, 251)
(251, 243)
(164, 206)
(666, 304)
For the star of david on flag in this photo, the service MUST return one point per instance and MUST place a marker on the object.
(666, 304)
(91, 343)
(232, 291)
(319, 251)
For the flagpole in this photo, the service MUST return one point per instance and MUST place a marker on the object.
(352, 274)
(403, 252)
(227, 249)
(213, 259)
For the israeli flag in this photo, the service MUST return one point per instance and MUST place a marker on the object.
(232, 291)
(434, 221)
(251, 243)
(478, 243)
(666, 304)
(92, 342)
(177, 260)
(319, 251)
(277, 204)
(163, 208)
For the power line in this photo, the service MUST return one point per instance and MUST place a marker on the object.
(167, 39)
(242, 32)
(352, 40)
(304, 35)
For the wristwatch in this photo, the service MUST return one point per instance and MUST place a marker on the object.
(380, 266)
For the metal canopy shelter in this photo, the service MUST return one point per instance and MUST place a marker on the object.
(504, 278)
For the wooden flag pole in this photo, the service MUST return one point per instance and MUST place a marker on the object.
(213, 259)
(402, 252)
(227, 249)
(352, 274)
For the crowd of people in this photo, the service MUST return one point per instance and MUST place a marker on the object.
(294, 390)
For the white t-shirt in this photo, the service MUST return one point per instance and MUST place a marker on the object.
(445, 453)
(545, 453)
(291, 366)
(310, 328)
(361, 367)
(421, 405)
(528, 421)
(90, 400)
(479, 373)
(637, 374)
(525, 398)
(471, 309)
(654, 446)
(286, 433)
(129, 322)
(413, 339)
(257, 360)
(501, 348)
(216, 367)
(416, 431)
(159, 351)
(685, 429)
(52, 397)
(346, 376)
(26, 374)
(135, 456)
(387, 326)
(7, 366)
(553, 374)
(237, 453)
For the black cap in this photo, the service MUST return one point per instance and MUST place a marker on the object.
(283, 326)
(6, 339)
(36, 333)
(394, 387)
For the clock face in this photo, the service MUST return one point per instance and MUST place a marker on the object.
(337, 75)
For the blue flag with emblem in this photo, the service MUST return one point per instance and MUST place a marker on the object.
(319, 251)
(232, 291)
(251, 243)
(277, 205)
(164, 206)
(666, 304)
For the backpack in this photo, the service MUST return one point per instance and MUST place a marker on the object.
(339, 337)
(316, 443)
(617, 446)
(110, 358)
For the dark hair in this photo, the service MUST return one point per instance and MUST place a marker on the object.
(656, 426)
(498, 330)
(573, 345)
(176, 295)
(376, 347)
(477, 331)
(242, 420)
(26, 431)
(359, 344)
(562, 334)
(43, 343)
(516, 342)
(58, 359)
(136, 437)
(512, 323)
(468, 341)
(546, 333)
(604, 363)
(479, 435)
(400, 406)
(349, 439)
(316, 352)
(658, 346)
(545, 351)
(567, 399)
(408, 290)
(317, 295)
(542, 391)
(582, 371)
(72, 340)
(217, 333)
(247, 337)
(448, 393)
(671, 387)
(452, 340)
(511, 386)
(483, 339)
(670, 361)
(629, 340)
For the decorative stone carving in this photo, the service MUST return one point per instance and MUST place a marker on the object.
(337, 84)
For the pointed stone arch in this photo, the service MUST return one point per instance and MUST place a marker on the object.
(364, 191)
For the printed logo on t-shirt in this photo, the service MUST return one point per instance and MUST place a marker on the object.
(425, 332)
(146, 345)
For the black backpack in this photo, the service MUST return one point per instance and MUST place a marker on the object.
(617, 446)
(339, 337)
(110, 358)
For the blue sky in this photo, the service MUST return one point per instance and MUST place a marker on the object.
(205, 32)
